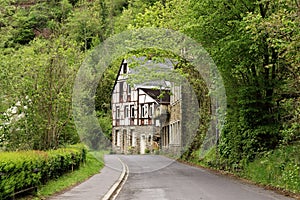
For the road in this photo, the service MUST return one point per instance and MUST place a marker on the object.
(157, 177)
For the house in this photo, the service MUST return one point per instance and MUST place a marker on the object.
(146, 115)
(171, 132)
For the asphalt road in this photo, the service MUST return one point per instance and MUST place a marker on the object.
(157, 177)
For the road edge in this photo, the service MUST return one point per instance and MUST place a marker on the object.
(117, 186)
(233, 176)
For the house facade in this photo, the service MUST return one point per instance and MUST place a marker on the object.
(136, 114)
(171, 132)
(148, 119)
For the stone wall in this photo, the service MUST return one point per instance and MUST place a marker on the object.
(133, 139)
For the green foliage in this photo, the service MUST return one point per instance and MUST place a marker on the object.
(147, 151)
(40, 77)
(25, 169)
(88, 24)
(25, 21)
(105, 87)
(91, 166)
(248, 40)
(279, 168)
(173, 15)
(134, 10)
(105, 121)
(207, 158)
(201, 91)
(254, 45)
(291, 121)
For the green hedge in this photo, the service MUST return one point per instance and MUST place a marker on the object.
(25, 169)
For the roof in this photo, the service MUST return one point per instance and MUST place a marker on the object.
(150, 84)
(161, 96)
(150, 74)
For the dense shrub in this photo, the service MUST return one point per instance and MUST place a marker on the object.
(22, 170)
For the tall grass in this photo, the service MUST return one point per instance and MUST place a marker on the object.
(279, 168)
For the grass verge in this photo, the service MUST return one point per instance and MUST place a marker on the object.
(92, 166)
(278, 170)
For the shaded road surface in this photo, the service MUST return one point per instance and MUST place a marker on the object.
(157, 177)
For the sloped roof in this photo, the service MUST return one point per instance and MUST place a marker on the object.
(152, 85)
(156, 95)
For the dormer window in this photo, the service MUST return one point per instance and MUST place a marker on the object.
(124, 68)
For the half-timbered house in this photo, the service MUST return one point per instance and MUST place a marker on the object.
(148, 115)
(137, 112)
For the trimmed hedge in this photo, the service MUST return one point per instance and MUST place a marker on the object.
(26, 169)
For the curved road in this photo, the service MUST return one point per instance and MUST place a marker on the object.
(157, 177)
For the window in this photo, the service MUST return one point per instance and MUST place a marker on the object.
(121, 91)
(149, 138)
(121, 87)
(124, 68)
(130, 139)
(118, 137)
(150, 111)
(126, 111)
(144, 110)
(133, 138)
(118, 112)
(129, 89)
(132, 111)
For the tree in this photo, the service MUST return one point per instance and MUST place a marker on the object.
(173, 15)
(247, 41)
(42, 73)
(88, 24)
